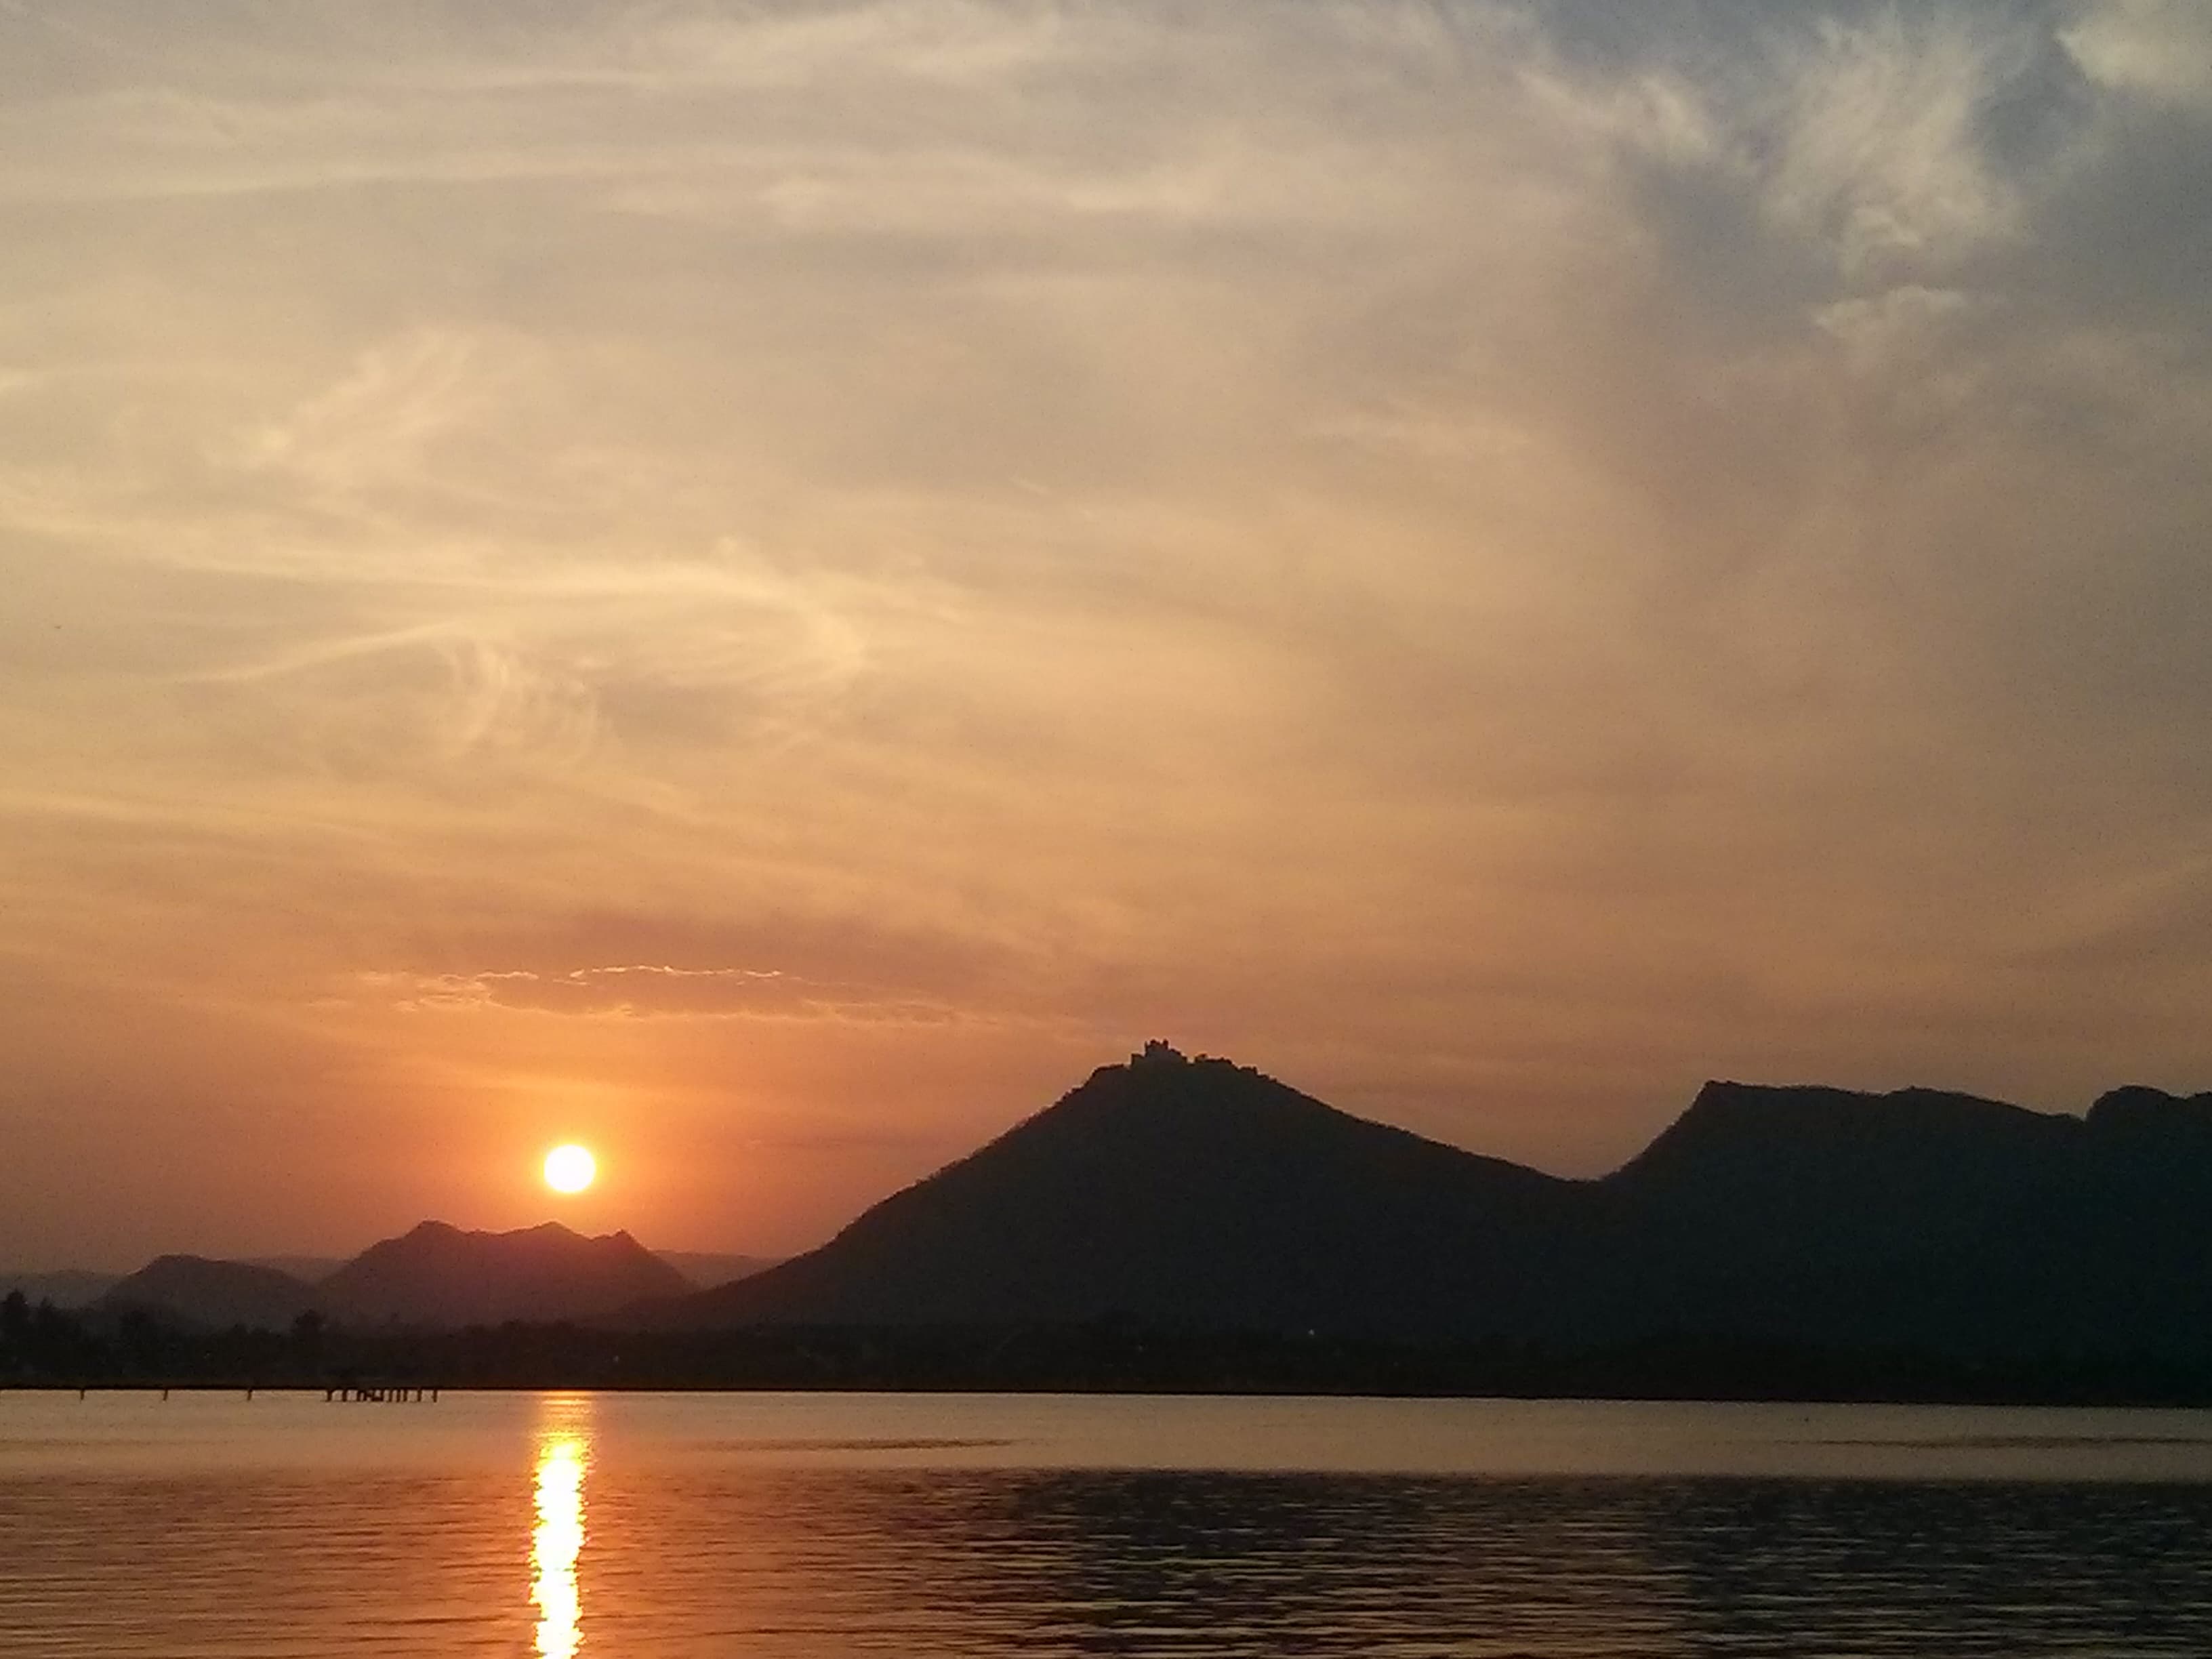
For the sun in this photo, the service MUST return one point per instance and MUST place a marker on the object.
(570, 1168)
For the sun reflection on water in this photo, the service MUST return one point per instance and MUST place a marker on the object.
(563, 1453)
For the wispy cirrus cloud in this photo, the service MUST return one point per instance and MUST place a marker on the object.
(628, 989)
(1432, 546)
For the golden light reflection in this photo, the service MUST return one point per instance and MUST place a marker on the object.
(557, 1539)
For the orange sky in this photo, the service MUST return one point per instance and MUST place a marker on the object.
(763, 588)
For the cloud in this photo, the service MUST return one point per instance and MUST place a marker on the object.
(637, 991)
(383, 419)
(2158, 49)
(1443, 543)
(1883, 145)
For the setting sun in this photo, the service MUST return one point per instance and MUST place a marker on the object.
(570, 1168)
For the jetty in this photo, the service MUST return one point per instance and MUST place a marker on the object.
(382, 1393)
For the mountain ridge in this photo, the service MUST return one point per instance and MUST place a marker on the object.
(1227, 1164)
(204, 1291)
(1198, 1193)
(437, 1274)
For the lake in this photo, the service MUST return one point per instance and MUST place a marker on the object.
(812, 1526)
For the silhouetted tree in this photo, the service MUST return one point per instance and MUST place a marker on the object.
(14, 1318)
(307, 1339)
(142, 1339)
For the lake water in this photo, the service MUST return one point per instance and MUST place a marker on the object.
(813, 1526)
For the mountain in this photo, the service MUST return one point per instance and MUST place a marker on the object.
(1920, 1218)
(65, 1287)
(1200, 1195)
(312, 1269)
(439, 1275)
(1779, 1210)
(192, 1290)
(1196, 1193)
(708, 1268)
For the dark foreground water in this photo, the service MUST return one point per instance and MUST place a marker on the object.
(815, 1526)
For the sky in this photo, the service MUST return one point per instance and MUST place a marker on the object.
(765, 585)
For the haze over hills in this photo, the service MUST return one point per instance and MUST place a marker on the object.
(435, 1276)
(309, 1269)
(708, 1268)
(195, 1290)
(439, 1275)
(213, 1293)
(65, 1287)
(1201, 1194)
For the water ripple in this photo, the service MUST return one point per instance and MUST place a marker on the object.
(574, 1527)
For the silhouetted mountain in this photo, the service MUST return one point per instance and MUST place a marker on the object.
(1199, 1194)
(438, 1275)
(705, 1269)
(1765, 1208)
(310, 1269)
(1926, 1220)
(192, 1290)
(65, 1287)
(1196, 1193)
(2133, 1111)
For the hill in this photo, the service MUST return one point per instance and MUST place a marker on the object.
(194, 1291)
(437, 1275)
(1924, 1219)
(706, 1268)
(64, 1287)
(309, 1269)
(1197, 1194)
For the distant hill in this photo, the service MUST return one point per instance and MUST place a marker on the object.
(438, 1275)
(706, 1268)
(1192, 1193)
(191, 1290)
(1200, 1194)
(313, 1269)
(65, 1287)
